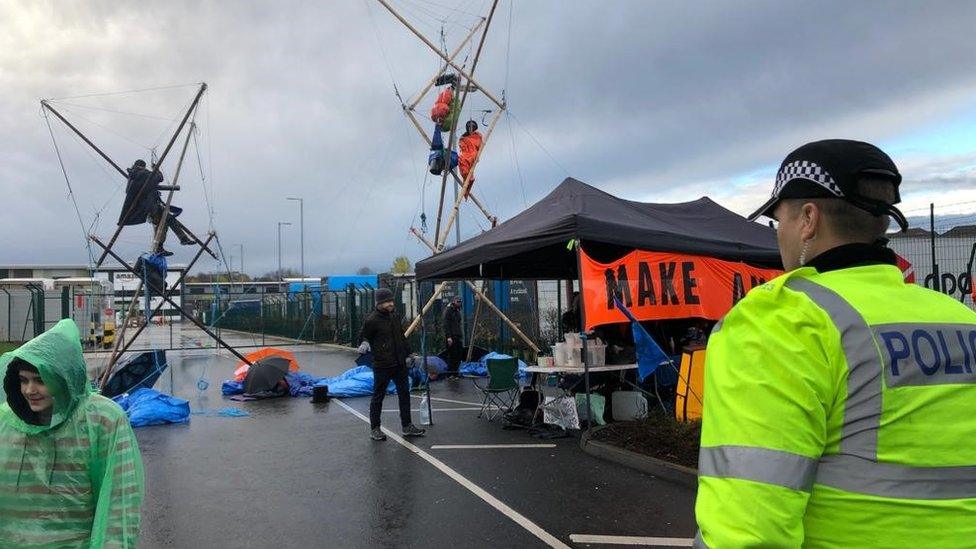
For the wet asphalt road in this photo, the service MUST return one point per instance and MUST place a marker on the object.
(294, 474)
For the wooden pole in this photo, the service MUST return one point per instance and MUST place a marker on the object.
(430, 303)
(437, 290)
(84, 138)
(430, 84)
(178, 308)
(467, 181)
(118, 340)
(447, 170)
(487, 301)
(161, 226)
(518, 331)
(440, 241)
(157, 237)
(169, 292)
(441, 54)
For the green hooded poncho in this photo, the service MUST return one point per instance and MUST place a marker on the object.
(77, 482)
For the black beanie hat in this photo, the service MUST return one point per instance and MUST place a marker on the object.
(383, 295)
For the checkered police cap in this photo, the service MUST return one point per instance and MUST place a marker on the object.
(832, 169)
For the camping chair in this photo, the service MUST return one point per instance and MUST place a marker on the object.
(501, 388)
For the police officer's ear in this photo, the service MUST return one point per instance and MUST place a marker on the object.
(811, 220)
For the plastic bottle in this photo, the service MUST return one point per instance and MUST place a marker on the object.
(424, 411)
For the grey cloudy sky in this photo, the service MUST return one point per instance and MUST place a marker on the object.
(656, 101)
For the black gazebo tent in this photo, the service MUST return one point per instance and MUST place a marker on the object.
(533, 244)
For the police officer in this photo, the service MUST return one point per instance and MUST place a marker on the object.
(838, 408)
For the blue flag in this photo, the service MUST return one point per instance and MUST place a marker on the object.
(649, 353)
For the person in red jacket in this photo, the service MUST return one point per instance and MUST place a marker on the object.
(469, 144)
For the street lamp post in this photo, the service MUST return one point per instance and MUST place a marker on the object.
(301, 220)
(280, 223)
(241, 246)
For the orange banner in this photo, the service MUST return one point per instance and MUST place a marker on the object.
(660, 285)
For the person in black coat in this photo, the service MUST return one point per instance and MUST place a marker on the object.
(383, 331)
(143, 202)
(571, 318)
(453, 336)
(141, 194)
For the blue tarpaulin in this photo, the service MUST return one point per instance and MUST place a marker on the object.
(434, 364)
(150, 407)
(300, 384)
(354, 382)
(480, 368)
(418, 375)
(231, 387)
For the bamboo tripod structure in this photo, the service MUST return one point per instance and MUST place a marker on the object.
(122, 343)
(467, 83)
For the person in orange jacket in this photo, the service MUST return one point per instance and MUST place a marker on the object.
(470, 144)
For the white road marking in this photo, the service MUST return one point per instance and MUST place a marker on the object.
(518, 518)
(487, 446)
(451, 401)
(438, 410)
(632, 540)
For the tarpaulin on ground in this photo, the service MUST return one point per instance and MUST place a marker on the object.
(659, 285)
(231, 387)
(480, 368)
(434, 364)
(150, 407)
(418, 375)
(299, 384)
(355, 382)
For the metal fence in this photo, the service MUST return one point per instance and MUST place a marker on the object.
(309, 316)
(942, 254)
(29, 310)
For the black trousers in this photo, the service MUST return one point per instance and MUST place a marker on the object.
(172, 223)
(455, 354)
(381, 380)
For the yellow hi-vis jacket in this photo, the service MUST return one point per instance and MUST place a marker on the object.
(840, 411)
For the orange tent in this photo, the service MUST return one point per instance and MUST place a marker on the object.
(241, 372)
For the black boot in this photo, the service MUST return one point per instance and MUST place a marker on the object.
(413, 431)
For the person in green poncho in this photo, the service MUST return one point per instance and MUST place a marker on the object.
(70, 470)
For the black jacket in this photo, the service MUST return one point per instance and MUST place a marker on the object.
(135, 211)
(384, 332)
(452, 322)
